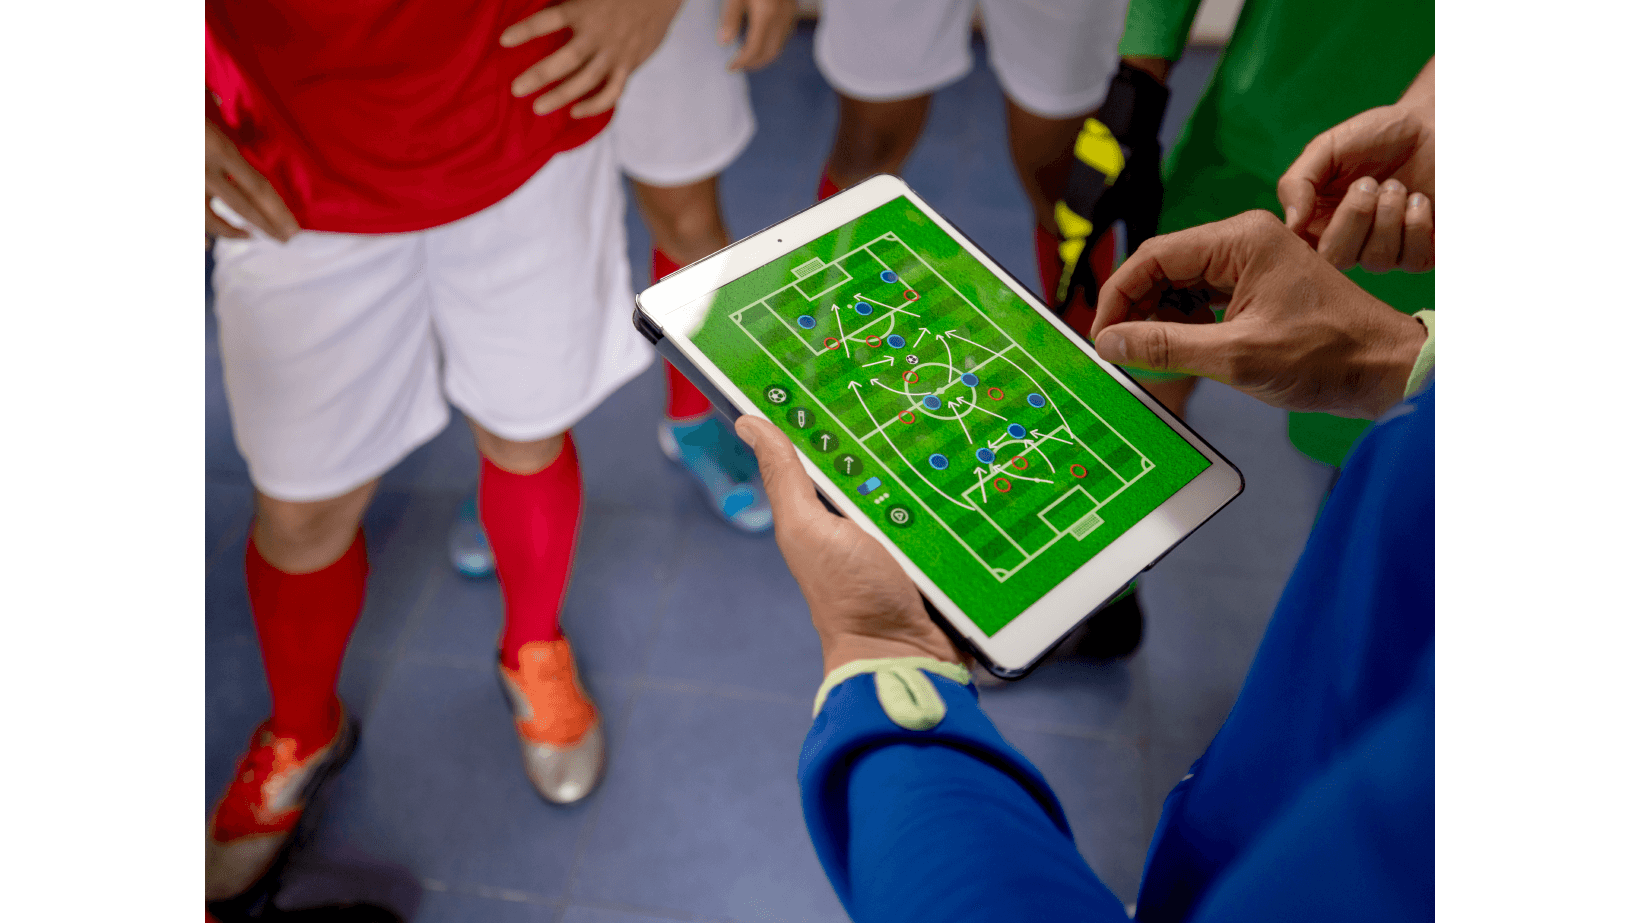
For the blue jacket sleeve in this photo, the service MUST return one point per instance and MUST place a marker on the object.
(946, 824)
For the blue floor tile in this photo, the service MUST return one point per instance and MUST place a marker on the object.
(580, 914)
(1071, 696)
(700, 815)
(736, 618)
(460, 907)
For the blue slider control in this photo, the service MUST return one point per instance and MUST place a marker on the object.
(870, 485)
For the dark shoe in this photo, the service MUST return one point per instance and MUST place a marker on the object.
(1114, 632)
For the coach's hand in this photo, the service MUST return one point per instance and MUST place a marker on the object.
(1296, 334)
(1363, 191)
(230, 178)
(862, 603)
(768, 24)
(610, 39)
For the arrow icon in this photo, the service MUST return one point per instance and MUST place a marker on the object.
(983, 474)
(919, 337)
(888, 359)
(842, 335)
(1041, 435)
(950, 364)
(964, 400)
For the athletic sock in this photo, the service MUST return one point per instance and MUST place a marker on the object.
(532, 520)
(827, 187)
(683, 400)
(303, 622)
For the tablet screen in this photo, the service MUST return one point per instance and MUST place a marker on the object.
(988, 447)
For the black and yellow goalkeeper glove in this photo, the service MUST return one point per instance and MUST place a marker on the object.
(1116, 176)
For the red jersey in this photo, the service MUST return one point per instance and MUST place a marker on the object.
(378, 116)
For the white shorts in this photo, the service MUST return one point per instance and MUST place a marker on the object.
(341, 350)
(683, 116)
(1054, 58)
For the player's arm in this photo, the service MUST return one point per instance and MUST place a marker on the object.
(229, 177)
(918, 809)
(1157, 30)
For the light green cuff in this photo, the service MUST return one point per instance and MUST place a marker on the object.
(907, 696)
(1424, 366)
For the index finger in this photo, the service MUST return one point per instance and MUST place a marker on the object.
(1178, 260)
(550, 20)
(790, 491)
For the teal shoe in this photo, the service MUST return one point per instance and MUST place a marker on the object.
(724, 468)
(470, 551)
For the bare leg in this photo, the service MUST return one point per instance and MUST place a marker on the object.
(874, 137)
(685, 222)
(1042, 150)
(517, 457)
(300, 538)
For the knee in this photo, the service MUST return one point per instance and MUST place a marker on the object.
(518, 457)
(691, 231)
(303, 537)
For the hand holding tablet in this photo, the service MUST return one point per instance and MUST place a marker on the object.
(1017, 480)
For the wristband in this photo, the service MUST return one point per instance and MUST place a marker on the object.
(907, 696)
(1424, 365)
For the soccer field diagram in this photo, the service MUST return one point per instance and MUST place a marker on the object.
(956, 420)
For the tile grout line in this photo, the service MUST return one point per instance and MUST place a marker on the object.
(418, 610)
(618, 732)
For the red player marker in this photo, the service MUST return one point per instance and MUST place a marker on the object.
(1002, 485)
(907, 417)
(910, 295)
(1020, 463)
(874, 337)
(1077, 471)
(831, 343)
(910, 377)
(994, 394)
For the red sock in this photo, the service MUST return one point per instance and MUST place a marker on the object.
(303, 621)
(683, 399)
(1048, 264)
(827, 187)
(531, 520)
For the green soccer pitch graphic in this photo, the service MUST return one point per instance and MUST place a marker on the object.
(991, 450)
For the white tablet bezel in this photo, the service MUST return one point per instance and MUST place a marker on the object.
(1019, 644)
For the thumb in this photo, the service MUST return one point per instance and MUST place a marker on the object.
(1296, 188)
(1155, 346)
(729, 21)
(791, 493)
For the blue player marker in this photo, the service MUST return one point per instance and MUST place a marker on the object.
(931, 402)
(862, 308)
(1016, 431)
(938, 461)
(1036, 400)
(806, 322)
(889, 276)
(986, 455)
(895, 341)
(970, 379)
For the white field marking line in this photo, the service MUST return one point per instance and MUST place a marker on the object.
(898, 309)
(1065, 424)
(1050, 435)
(855, 387)
(950, 362)
(981, 472)
(860, 333)
(888, 359)
(920, 336)
(867, 449)
(965, 433)
(982, 365)
(905, 393)
(776, 315)
(1044, 368)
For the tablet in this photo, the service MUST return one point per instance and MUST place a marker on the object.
(1021, 481)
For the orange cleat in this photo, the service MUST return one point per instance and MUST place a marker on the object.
(258, 814)
(558, 727)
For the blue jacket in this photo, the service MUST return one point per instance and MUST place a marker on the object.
(1316, 801)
